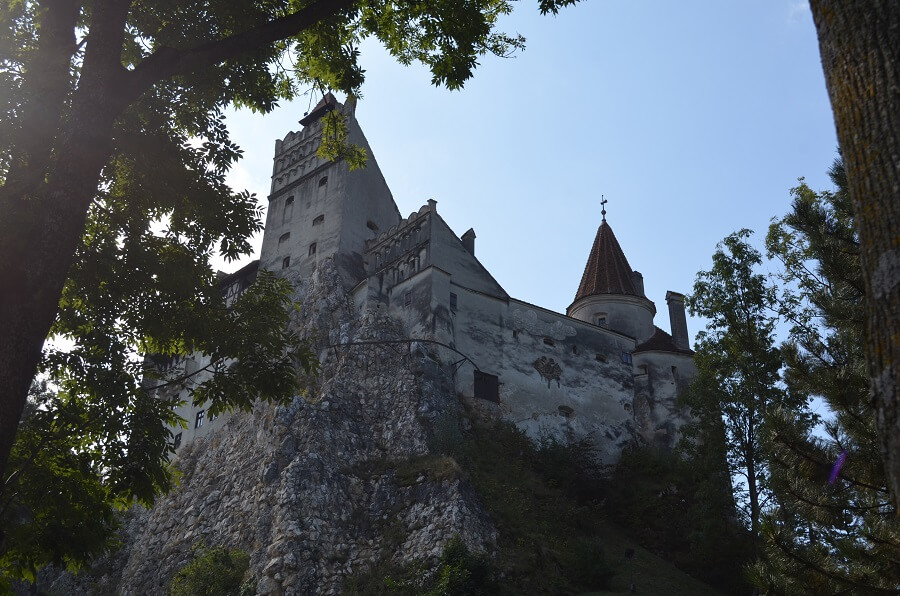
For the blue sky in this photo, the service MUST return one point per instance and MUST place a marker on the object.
(693, 118)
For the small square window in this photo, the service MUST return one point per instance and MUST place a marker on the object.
(452, 301)
(285, 262)
(312, 249)
(198, 422)
(487, 386)
(626, 357)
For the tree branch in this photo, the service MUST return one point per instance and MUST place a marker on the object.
(167, 62)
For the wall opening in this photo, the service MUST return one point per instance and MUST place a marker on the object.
(284, 238)
(453, 302)
(288, 210)
(198, 421)
(566, 411)
(285, 262)
(323, 181)
(176, 441)
(371, 225)
(407, 298)
(487, 387)
(549, 342)
(312, 249)
(626, 357)
(319, 219)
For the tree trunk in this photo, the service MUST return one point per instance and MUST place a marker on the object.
(860, 45)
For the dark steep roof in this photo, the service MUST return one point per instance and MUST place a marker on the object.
(326, 104)
(607, 270)
(660, 342)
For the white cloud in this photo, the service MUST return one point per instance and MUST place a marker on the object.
(798, 10)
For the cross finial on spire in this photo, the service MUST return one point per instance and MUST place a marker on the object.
(603, 203)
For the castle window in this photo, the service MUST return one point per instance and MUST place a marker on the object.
(212, 417)
(285, 262)
(549, 342)
(643, 369)
(288, 210)
(566, 411)
(312, 249)
(323, 181)
(602, 320)
(626, 357)
(600, 358)
(371, 225)
(319, 220)
(574, 349)
(487, 387)
(176, 442)
(198, 422)
(284, 238)
(453, 302)
(675, 374)
(407, 299)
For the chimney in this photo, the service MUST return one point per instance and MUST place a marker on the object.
(677, 319)
(638, 280)
(468, 240)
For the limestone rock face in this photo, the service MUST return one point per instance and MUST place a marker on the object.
(310, 490)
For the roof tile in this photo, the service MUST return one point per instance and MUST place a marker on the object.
(607, 270)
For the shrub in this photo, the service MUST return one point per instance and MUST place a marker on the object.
(213, 571)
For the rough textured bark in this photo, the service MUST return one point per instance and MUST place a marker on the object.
(860, 45)
(65, 142)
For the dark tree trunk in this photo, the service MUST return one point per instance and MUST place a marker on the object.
(860, 45)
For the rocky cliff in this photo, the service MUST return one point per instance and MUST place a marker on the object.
(324, 487)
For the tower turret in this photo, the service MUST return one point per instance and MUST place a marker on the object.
(319, 208)
(611, 294)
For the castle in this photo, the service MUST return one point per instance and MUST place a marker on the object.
(602, 369)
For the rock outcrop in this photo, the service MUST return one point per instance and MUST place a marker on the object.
(311, 490)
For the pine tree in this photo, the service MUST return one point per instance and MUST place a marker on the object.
(834, 529)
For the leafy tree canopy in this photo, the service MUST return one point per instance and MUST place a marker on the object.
(738, 366)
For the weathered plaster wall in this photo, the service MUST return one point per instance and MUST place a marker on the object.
(631, 315)
(557, 376)
(659, 378)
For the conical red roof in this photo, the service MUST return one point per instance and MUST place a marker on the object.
(607, 270)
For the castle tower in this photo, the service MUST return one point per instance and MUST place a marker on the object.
(320, 208)
(611, 294)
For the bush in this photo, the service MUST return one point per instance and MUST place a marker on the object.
(213, 571)
(459, 572)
